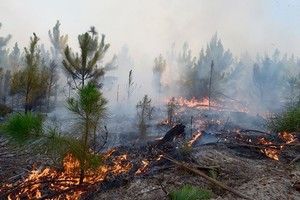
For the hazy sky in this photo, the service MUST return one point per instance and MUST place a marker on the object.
(149, 27)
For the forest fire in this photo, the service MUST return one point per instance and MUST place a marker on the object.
(63, 184)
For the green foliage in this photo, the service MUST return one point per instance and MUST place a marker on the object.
(31, 82)
(88, 109)
(23, 127)
(288, 120)
(188, 192)
(195, 75)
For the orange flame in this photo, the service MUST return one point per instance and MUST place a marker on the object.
(142, 169)
(203, 104)
(64, 180)
(195, 137)
(287, 137)
(271, 153)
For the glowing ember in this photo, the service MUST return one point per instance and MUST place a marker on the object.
(165, 122)
(194, 139)
(158, 138)
(65, 182)
(142, 169)
(159, 157)
(287, 137)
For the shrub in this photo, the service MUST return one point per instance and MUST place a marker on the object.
(23, 127)
(188, 192)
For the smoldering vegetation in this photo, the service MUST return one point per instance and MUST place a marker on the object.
(254, 85)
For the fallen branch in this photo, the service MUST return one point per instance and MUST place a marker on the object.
(295, 159)
(195, 171)
(257, 131)
(16, 176)
(264, 146)
(260, 146)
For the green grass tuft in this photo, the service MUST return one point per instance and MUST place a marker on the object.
(188, 192)
(287, 120)
(23, 127)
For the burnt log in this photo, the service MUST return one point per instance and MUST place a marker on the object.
(175, 132)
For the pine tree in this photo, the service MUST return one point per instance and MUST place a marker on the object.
(144, 111)
(158, 69)
(31, 82)
(88, 108)
(58, 41)
(84, 68)
(202, 69)
(3, 51)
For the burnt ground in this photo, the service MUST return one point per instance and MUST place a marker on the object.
(255, 176)
(223, 147)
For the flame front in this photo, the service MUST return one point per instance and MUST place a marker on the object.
(65, 182)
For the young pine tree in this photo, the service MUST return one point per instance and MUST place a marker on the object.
(88, 108)
(144, 111)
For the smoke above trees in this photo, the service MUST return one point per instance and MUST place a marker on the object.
(266, 81)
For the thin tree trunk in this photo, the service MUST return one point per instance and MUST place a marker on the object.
(210, 79)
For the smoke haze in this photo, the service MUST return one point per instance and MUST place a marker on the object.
(149, 28)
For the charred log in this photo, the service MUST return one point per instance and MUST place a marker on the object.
(175, 132)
